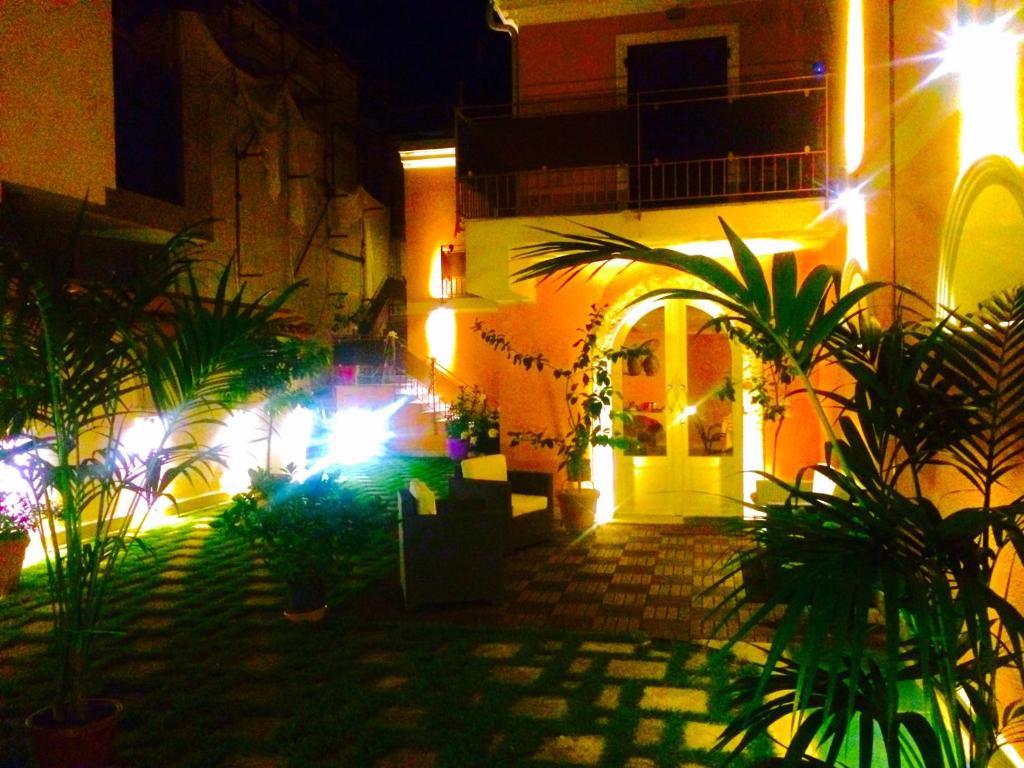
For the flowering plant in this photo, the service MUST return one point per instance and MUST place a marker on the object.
(469, 418)
(16, 517)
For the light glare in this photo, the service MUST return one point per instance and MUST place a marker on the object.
(854, 206)
(358, 435)
(441, 336)
(984, 58)
(853, 117)
(242, 436)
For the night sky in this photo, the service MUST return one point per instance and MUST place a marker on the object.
(429, 55)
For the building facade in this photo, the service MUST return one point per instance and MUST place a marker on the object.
(878, 138)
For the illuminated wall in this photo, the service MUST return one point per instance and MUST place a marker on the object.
(57, 96)
(429, 224)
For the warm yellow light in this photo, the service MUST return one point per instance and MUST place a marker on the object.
(853, 107)
(441, 157)
(753, 434)
(435, 273)
(852, 203)
(243, 437)
(602, 472)
(441, 336)
(984, 57)
(759, 246)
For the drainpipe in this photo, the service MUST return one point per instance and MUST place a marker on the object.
(508, 27)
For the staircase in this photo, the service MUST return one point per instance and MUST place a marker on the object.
(419, 425)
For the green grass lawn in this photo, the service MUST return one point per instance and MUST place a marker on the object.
(211, 674)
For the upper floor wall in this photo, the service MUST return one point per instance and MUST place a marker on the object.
(57, 97)
(168, 117)
(721, 102)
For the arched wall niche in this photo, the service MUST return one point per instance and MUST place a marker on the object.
(983, 236)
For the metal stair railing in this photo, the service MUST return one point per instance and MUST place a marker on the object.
(437, 387)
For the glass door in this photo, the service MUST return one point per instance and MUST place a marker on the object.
(686, 458)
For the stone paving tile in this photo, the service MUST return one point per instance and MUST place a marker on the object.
(637, 670)
(380, 657)
(576, 609)
(516, 675)
(609, 697)
(153, 623)
(648, 731)
(264, 600)
(579, 666)
(37, 628)
(593, 646)
(698, 660)
(577, 750)
(668, 699)
(624, 598)
(640, 762)
(615, 624)
(391, 683)
(497, 650)
(699, 735)
(662, 612)
(541, 707)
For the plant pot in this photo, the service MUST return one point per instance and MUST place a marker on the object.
(306, 602)
(634, 366)
(89, 745)
(651, 365)
(458, 449)
(12, 557)
(578, 506)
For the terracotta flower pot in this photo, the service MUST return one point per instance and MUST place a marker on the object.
(578, 506)
(12, 557)
(89, 745)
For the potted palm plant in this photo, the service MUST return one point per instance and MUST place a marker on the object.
(307, 530)
(588, 394)
(81, 360)
(892, 627)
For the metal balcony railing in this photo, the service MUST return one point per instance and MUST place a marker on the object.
(610, 151)
(651, 185)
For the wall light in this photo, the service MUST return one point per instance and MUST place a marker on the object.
(853, 99)
(855, 209)
(441, 336)
(441, 157)
(984, 58)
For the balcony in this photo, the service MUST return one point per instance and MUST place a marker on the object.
(585, 154)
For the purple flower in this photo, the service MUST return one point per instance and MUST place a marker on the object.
(16, 516)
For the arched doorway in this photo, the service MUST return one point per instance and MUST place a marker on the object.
(687, 460)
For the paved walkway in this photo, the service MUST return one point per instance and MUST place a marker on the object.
(654, 580)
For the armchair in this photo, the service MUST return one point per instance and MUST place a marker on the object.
(524, 499)
(453, 555)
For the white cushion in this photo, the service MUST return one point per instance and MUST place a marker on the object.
(491, 467)
(426, 499)
(524, 503)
